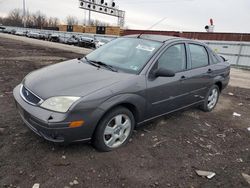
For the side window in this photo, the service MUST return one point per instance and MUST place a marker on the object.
(174, 58)
(199, 56)
(214, 58)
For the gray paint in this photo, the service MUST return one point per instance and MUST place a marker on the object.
(101, 89)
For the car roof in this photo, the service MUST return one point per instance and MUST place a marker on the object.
(164, 38)
(158, 38)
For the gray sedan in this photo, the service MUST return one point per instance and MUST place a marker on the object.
(125, 83)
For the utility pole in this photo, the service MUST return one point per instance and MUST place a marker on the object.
(89, 17)
(24, 14)
(85, 17)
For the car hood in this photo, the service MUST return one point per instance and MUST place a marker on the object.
(71, 78)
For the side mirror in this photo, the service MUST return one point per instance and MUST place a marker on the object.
(161, 72)
(223, 58)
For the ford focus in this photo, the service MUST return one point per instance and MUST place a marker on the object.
(128, 82)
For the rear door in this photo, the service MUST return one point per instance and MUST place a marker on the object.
(198, 77)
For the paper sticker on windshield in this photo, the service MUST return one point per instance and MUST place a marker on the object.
(146, 48)
(135, 68)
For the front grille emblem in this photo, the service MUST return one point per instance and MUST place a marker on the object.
(27, 93)
(29, 97)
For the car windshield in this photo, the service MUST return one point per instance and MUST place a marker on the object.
(126, 54)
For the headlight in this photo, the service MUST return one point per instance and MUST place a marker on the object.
(59, 104)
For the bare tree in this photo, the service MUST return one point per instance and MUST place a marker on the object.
(15, 18)
(29, 20)
(71, 20)
(53, 22)
(98, 23)
(39, 20)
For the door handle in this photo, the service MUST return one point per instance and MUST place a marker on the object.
(209, 71)
(183, 78)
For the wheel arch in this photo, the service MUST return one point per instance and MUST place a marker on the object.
(135, 103)
(219, 84)
(131, 107)
(218, 81)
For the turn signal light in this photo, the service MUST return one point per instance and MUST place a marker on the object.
(75, 124)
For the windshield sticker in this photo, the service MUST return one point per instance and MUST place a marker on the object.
(135, 68)
(146, 48)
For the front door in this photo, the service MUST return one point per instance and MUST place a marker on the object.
(165, 94)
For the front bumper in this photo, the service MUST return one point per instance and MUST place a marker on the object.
(50, 125)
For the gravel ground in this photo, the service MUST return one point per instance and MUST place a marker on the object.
(164, 153)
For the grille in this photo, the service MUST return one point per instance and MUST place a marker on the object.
(29, 97)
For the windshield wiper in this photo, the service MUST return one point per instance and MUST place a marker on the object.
(104, 65)
(90, 62)
(99, 64)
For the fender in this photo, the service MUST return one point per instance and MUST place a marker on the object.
(222, 80)
(218, 78)
(139, 102)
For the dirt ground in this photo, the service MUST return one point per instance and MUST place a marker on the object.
(165, 153)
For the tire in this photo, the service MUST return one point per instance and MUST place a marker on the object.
(211, 99)
(114, 130)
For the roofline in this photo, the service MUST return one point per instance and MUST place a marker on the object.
(168, 38)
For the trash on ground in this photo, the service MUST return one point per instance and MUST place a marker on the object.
(8, 92)
(158, 143)
(147, 131)
(231, 94)
(36, 185)
(64, 157)
(2, 130)
(246, 177)
(248, 128)
(240, 160)
(72, 183)
(189, 142)
(206, 174)
(207, 124)
(236, 114)
(155, 139)
(221, 135)
(240, 104)
(75, 182)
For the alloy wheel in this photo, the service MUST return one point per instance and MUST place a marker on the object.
(212, 99)
(117, 131)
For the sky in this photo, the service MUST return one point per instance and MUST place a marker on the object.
(180, 15)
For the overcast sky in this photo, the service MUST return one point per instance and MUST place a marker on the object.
(181, 15)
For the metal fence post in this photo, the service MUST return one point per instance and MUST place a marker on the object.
(239, 54)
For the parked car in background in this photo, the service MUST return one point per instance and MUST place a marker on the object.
(68, 39)
(128, 82)
(102, 41)
(53, 37)
(42, 36)
(32, 34)
(12, 31)
(21, 33)
(87, 41)
(2, 29)
(8, 30)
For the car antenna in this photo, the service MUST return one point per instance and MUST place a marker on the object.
(152, 26)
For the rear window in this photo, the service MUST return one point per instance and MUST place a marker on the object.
(199, 56)
(214, 58)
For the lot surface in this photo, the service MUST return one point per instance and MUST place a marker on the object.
(165, 153)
